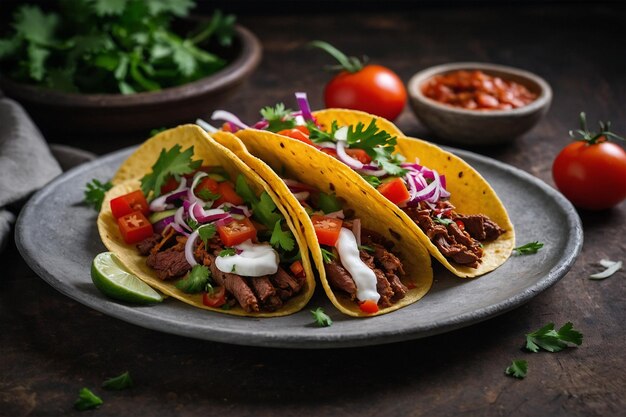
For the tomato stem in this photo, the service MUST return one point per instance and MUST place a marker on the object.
(593, 137)
(351, 64)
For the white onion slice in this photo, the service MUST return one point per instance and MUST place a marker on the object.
(159, 203)
(206, 126)
(345, 158)
(191, 196)
(342, 134)
(189, 246)
(228, 117)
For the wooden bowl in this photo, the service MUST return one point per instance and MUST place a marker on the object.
(75, 114)
(475, 127)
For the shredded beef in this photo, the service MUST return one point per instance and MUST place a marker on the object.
(170, 263)
(480, 227)
(145, 246)
(369, 237)
(387, 260)
(399, 289)
(286, 285)
(339, 278)
(383, 287)
(266, 293)
(235, 285)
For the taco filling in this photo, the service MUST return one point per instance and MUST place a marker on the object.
(417, 190)
(359, 263)
(212, 236)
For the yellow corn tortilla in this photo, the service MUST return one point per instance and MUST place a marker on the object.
(140, 163)
(265, 152)
(470, 192)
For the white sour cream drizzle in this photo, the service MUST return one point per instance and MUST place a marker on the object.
(255, 260)
(363, 276)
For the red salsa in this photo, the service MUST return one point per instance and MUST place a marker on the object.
(475, 90)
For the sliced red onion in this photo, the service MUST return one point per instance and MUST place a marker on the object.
(176, 227)
(160, 203)
(191, 196)
(206, 126)
(176, 196)
(242, 210)
(207, 216)
(161, 224)
(178, 217)
(345, 158)
(224, 221)
(303, 104)
(335, 214)
(408, 165)
(261, 124)
(191, 212)
(356, 230)
(442, 178)
(229, 118)
(189, 248)
(302, 195)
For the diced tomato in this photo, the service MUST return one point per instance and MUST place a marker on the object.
(329, 151)
(226, 127)
(297, 134)
(395, 191)
(460, 224)
(360, 155)
(128, 203)
(215, 298)
(170, 185)
(297, 269)
(369, 306)
(134, 227)
(207, 184)
(327, 229)
(236, 232)
(228, 194)
(303, 129)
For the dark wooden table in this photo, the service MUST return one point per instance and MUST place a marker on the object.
(51, 346)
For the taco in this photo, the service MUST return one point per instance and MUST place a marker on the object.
(443, 200)
(192, 220)
(367, 263)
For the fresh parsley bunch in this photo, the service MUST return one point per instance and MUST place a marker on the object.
(110, 46)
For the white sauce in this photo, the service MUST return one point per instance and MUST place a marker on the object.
(255, 260)
(363, 276)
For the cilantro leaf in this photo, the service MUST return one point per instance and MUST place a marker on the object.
(178, 7)
(517, 369)
(170, 163)
(34, 25)
(119, 382)
(321, 318)
(94, 193)
(206, 232)
(372, 180)
(278, 117)
(195, 281)
(327, 256)
(281, 238)
(329, 203)
(367, 248)
(529, 248)
(442, 220)
(317, 135)
(109, 7)
(228, 252)
(87, 400)
(551, 340)
(37, 57)
(207, 195)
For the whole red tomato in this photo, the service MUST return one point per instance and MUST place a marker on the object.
(591, 172)
(371, 88)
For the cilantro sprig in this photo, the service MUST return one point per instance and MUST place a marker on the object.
(553, 340)
(517, 369)
(106, 46)
(119, 382)
(529, 248)
(278, 117)
(321, 319)
(95, 191)
(87, 400)
(196, 281)
(227, 252)
(171, 163)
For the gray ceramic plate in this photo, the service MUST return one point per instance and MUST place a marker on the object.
(57, 236)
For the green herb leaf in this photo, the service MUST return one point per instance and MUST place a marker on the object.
(551, 340)
(206, 232)
(87, 400)
(329, 203)
(207, 195)
(170, 163)
(119, 382)
(94, 193)
(442, 220)
(228, 252)
(195, 281)
(282, 238)
(36, 26)
(193, 224)
(327, 256)
(321, 318)
(109, 7)
(367, 248)
(372, 180)
(517, 369)
(529, 248)
(279, 117)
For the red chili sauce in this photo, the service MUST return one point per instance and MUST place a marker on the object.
(475, 90)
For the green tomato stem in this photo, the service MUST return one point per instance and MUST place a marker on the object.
(351, 64)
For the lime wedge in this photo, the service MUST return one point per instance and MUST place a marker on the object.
(112, 278)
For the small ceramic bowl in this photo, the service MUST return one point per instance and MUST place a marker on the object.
(479, 127)
(71, 114)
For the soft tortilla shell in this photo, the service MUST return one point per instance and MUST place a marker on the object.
(302, 162)
(212, 153)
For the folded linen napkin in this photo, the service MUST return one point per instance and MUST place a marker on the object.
(26, 162)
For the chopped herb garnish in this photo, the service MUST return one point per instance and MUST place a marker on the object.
(87, 400)
(170, 163)
(517, 369)
(233, 269)
(328, 203)
(195, 281)
(328, 256)
(321, 318)
(278, 117)
(378, 144)
(192, 223)
(118, 383)
(367, 248)
(442, 220)
(95, 191)
(317, 135)
(207, 195)
(156, 131)
(611, 268)
(551, 340)
(281, 238)
(206, 232)
(372, 180)
(529, 248)
(228, 252)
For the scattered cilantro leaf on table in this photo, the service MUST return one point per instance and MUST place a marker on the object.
(321, 318)
(517, 369)
(95, 191)
(170, 163)
(119, 382)
(553, 340)
(195, 281)
(87, 400)
(529, 248)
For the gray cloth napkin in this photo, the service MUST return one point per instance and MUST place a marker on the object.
(26, 162)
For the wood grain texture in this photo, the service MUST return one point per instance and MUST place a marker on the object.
(51, 346)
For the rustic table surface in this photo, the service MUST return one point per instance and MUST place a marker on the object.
(51, 346)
